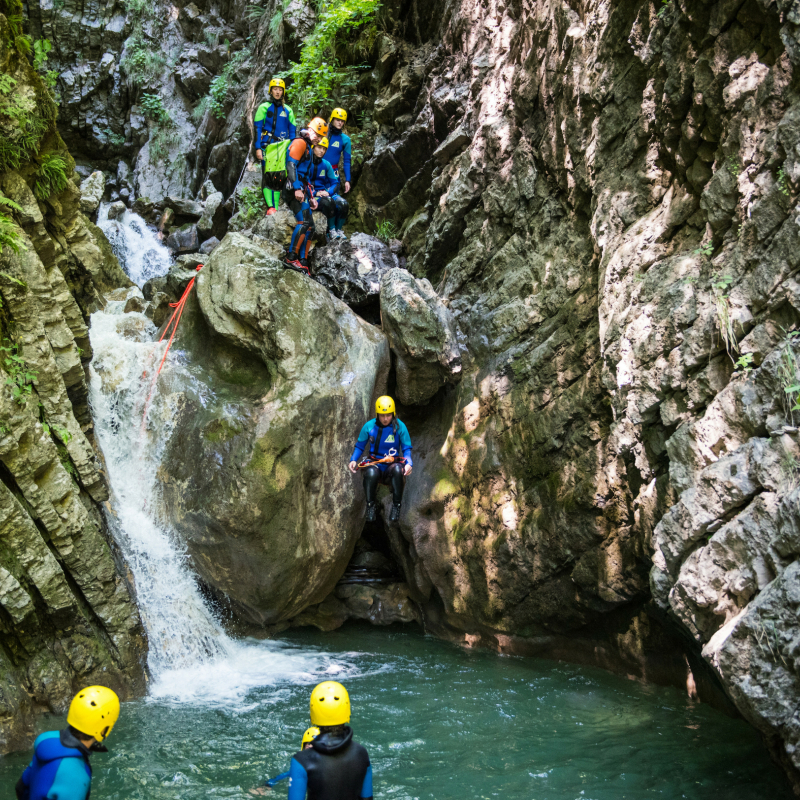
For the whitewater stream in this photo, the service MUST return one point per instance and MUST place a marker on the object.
(440, 722)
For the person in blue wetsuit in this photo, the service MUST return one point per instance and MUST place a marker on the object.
(326, 191)
(386, 437)
(335, 767)
(308, 737)
(340, 148)
(60, 767)
(274, 122)
(300, 197)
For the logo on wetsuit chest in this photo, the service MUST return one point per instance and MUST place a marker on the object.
(283, 113)
(389, 439)
(334, 144)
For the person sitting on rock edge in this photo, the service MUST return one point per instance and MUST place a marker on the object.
(274, 122)
(335, 767)
(383, 434)
(339, 146)
(326, 191)
(60, 765)
(298, 192)
(305, 744)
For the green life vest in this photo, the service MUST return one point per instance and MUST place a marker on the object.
(275, 156)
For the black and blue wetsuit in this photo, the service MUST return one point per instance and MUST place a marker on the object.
(339, 152)
(334, 206)
(335, 767)
(59, 769)
(298, 168)
(382, 440)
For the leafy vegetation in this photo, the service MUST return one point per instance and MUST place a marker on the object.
(744, 363)
(224, 86)
(18, 376)
(386, 230)
(664, 8)
(783, 182)
(719, 287)
(9, 233)
(144, 61)
(51, 176)
(319, 75)
(251, 206)
(788, 372)
(153, 108)
(705, 249)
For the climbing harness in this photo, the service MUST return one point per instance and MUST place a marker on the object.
(390, 458)
(175, 318)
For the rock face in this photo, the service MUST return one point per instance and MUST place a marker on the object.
(422, 335)
(272, 521)
(68, 615)
(352, 268)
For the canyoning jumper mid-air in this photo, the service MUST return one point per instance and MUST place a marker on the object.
(274, 123)
(386, 448)
(335, 767)
(339, 146)
(60, 767)
(299, 197)
(326, 192)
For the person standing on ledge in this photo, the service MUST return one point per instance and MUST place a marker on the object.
(387, 438)
(60, 767)
(336, 767)
(274, 123)
(339, 152)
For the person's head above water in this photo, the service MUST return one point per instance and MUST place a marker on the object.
(308, 737)
(329, 705)
(276, 88)
(92, 714)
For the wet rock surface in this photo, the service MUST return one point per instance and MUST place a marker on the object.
(352, 268)
(273, 520)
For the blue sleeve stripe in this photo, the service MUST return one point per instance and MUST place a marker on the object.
(298, 781)
(366, 787)
(71, 781)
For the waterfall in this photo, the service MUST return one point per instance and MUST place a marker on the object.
(138, 249)
(191, 658)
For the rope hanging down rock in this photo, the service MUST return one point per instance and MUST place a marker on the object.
(176, 318)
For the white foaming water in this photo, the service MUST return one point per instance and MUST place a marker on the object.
(191, 659)
(138, 249)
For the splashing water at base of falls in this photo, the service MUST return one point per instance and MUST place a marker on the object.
(138, 249)
(189, 653)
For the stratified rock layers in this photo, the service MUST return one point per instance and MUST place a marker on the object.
(67, 617)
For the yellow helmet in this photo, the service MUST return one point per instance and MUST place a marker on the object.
(93, 711)
(309, 736)
(276, 82)
(338, 113)
(330, 704)
(319, 126)
(384, 405)
(323, 142)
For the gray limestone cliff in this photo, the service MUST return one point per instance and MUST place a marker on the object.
(67, 615)
(598, 204)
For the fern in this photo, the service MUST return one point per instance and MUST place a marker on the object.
(51, 177)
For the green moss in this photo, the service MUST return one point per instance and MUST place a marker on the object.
(220, 430)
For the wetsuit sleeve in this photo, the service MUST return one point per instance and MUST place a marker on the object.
(405, 443)
(258, 122)
(298, 781)
(292, 124)
(295, 153)
(346, 156)
(363, 438)
(71, 781)
(277, 779)
(366, 787)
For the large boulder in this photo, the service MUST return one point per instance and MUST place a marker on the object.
(184, 240)
(422, 334)
(212, 223)
(352, 268)
(286, 375)
(92, 192)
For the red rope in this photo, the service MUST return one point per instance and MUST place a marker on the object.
(176, 317)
